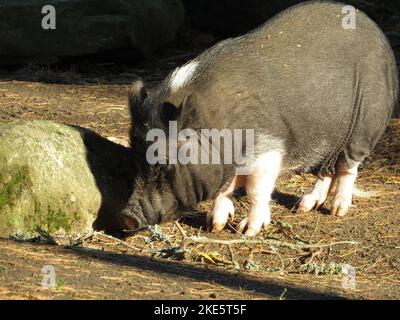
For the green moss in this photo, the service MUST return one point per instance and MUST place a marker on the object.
(15, 184)
(10, 191)
(60, 133)
(52, 220)
(58, 219)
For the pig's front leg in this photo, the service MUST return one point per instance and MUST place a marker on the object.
(223, 209)
(259, 187)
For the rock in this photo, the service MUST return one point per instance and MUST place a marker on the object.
(85, 27)
(59, 177)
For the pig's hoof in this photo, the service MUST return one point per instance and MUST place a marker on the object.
(340, 206)
(251, 229)
(308, 203)
(222, 212)
(216, 227)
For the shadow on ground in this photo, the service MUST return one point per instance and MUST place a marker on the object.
(234, 281)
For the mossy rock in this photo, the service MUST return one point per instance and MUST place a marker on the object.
(86, 27)
(59, 177)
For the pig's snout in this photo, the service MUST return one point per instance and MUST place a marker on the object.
(149, 208)
(130, 217)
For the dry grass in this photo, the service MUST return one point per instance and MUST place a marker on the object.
(308, 250)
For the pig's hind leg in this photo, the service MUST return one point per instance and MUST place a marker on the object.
(259, 187)
(318, 195)
(346, 177)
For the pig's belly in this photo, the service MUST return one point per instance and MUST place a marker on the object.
(303, 151)
(317, 136)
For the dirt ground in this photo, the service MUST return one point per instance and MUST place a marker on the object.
(301, 256)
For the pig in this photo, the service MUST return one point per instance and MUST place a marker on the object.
(318, 96)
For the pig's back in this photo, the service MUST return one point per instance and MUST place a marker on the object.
(300, 79)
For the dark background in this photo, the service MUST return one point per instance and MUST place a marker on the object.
(137, 29)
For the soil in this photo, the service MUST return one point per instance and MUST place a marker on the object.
(154, 264)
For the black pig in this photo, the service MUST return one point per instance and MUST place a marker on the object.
(316, 93)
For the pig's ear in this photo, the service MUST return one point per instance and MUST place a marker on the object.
(137, 95)
(169, 112)
(181, 114)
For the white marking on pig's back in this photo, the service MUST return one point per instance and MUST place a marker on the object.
(182, 75)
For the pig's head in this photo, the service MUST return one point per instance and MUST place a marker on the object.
(156, 187)
(163, 192)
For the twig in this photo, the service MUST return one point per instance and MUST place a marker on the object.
(180, 229)
(281, 259)
(47, 236)
(183, 234)
(315, 230)
(234, 263)
(196, 239)
(82, 239)
(312, 256)
(101, 234)
(130, 233)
